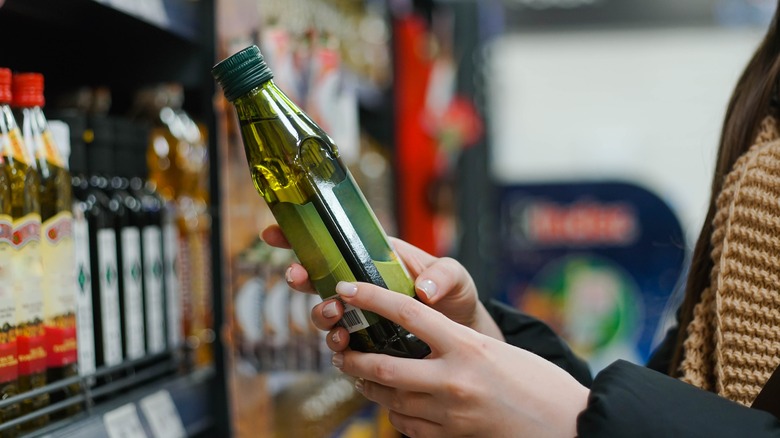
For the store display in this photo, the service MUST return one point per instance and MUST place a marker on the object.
(296, 168)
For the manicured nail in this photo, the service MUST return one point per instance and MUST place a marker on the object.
(427, 287)
(330, 310)
(335, 337)
(359, 385)
(337, 360)
(346, 289)
(288, 275)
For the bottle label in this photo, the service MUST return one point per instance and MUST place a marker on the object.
(153, 280)
(86, 331)
(28, 271)
(8, 363)
(59, 289)
(132, 270)
(172, 297)
(109, 297)
(16, 143)
(49, 150)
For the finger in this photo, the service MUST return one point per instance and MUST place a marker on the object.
(274, 236)
(444, 275)
(438, 331)
(419, 375)
(415, 259)
(338, 339)
(414, 404)
(326, 314)
(414, 427)
(298, 278)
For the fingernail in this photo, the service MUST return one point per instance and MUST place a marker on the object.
(427, 287)
(335, 337)
(330, 310)
(337, 360)
(346, 289)
(288, 275)
(359, 385)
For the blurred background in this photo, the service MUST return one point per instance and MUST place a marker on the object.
(562, 150)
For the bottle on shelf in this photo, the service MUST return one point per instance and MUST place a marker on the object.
(76, 123)
(57, 246)
(131, 168)
(296, 167)
(12, 151)
(177, 164)
(129, 220)
(28, 269)
(103, 244)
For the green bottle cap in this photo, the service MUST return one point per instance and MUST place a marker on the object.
(240, 73)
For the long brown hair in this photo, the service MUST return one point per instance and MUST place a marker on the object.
(752, 100)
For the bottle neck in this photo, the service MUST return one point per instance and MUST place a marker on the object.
(35, 130)
(14, 148)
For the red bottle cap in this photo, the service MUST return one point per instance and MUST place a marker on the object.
(28, 90)
(5, 85)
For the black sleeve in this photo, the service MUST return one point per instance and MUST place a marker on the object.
(631, 400)
(537, 337)
(662, 355)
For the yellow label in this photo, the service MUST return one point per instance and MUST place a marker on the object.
(59, 268)
(49, 150)
(16, 146)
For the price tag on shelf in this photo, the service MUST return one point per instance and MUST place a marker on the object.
(123, 422)
(161, 413)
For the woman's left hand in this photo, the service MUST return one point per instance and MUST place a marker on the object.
(470, 384)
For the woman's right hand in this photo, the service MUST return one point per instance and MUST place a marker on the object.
(442, 283)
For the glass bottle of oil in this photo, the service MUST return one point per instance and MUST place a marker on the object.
(107, 320)
(28, 271)
(297, 169)
(85, 336)
(147, 215)
(57, 246)
(11, 154)
(128, 215)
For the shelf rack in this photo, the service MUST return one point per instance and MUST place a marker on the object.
(125, 45)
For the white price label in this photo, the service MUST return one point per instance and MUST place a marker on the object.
(162, 415)
(123, 422)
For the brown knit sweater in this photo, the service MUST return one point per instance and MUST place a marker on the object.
(733, 341)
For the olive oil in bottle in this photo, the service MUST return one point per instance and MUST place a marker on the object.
(297, 169)
(57, 249)
(28, 273)
(11, 148)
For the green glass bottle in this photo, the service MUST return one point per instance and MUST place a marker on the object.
(334, 233)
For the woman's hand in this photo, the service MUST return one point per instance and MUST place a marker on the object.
(442, 283)
(470, 384)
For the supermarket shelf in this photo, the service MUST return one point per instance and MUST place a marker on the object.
(189, 394)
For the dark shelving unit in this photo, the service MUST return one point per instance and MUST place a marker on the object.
(123, 46)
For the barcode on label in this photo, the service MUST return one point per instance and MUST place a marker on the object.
(353, 319)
